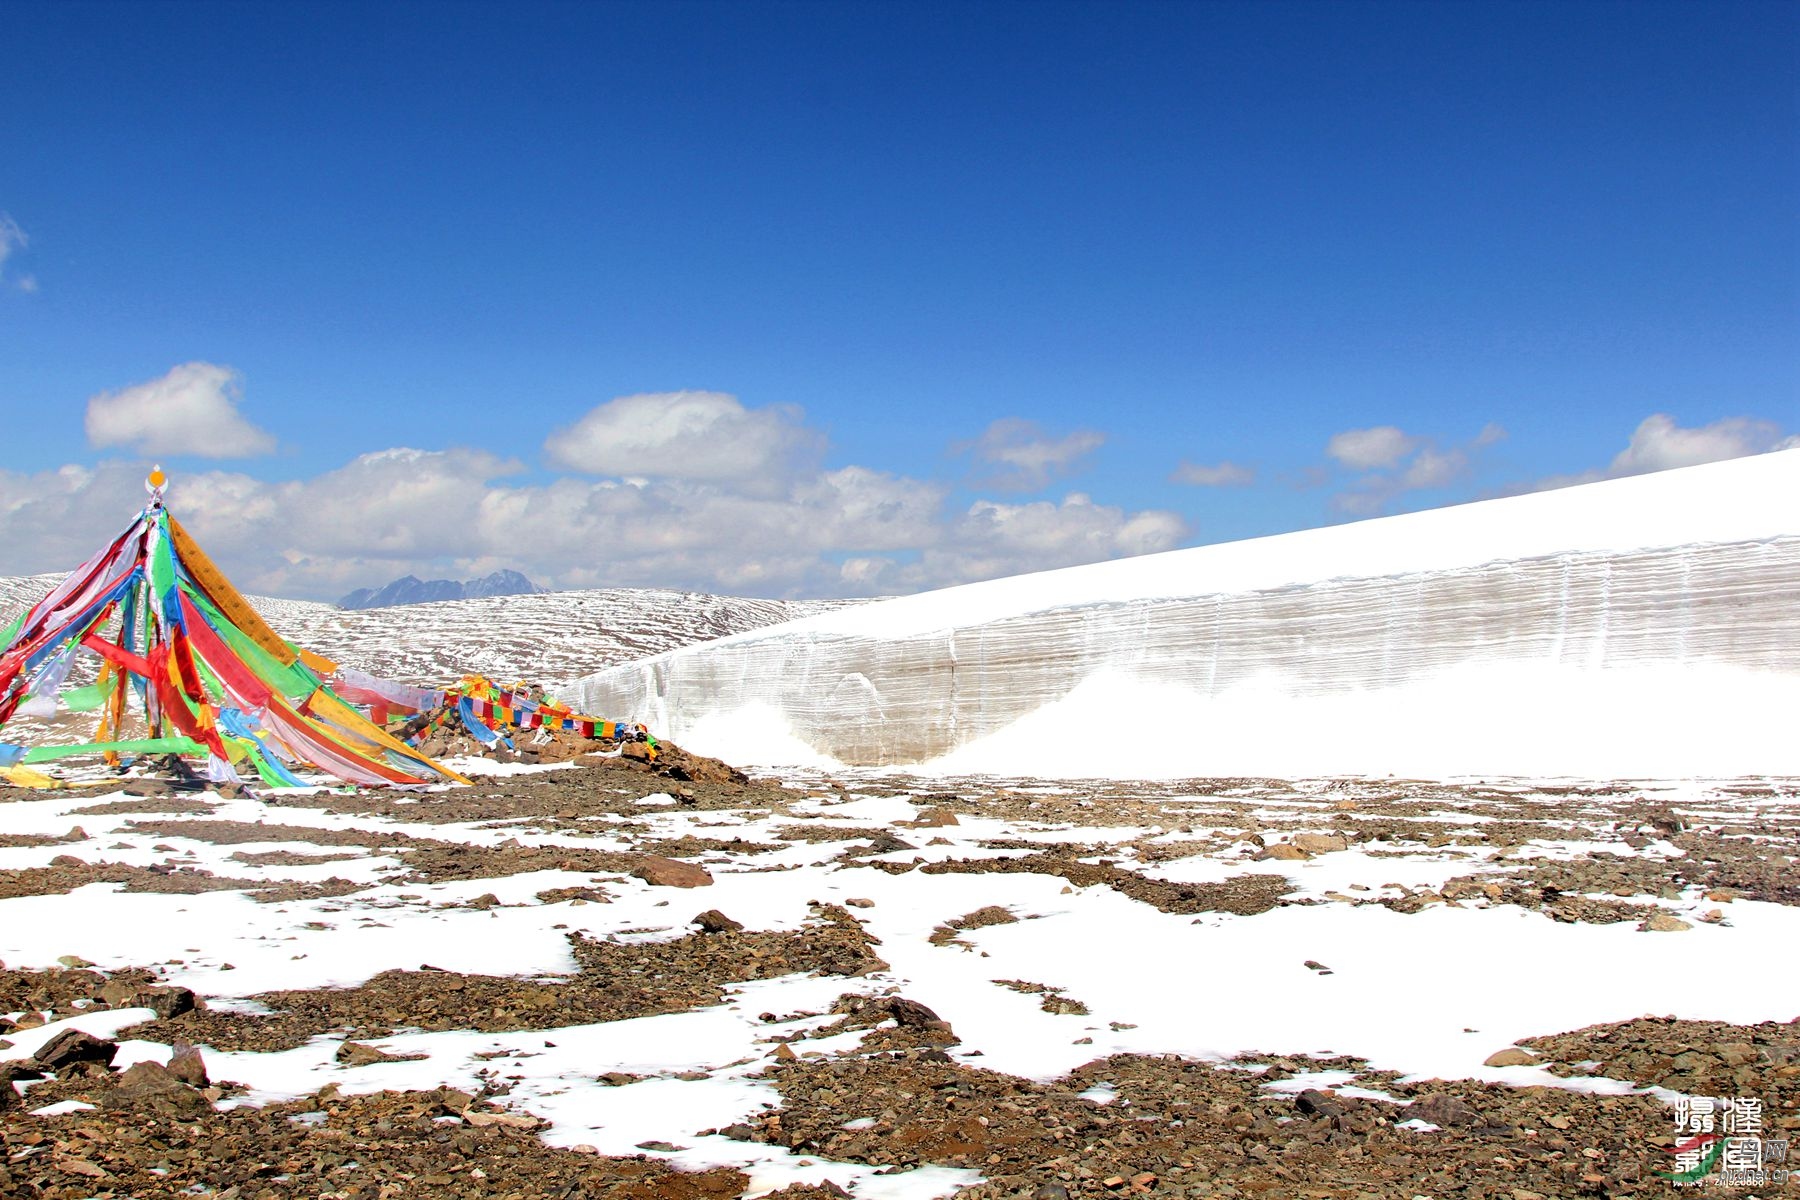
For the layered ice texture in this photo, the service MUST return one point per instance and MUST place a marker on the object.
(1637, 628)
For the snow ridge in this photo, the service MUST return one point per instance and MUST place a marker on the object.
(1636, 627)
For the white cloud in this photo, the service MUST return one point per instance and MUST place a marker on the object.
(1028, 457)
(848, 531)
(676, 489)
(1658, 444)
(689, 436)
(1225, 474)
(1432, 468)
(1396, 462)
(190, 410)
(1370, 449)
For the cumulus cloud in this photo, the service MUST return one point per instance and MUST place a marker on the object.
(839, 532)
(1658, 443)
(1026, 456)
(687, 435)
(191, 410)
(1225, 474)
(1371, 449)
(674, 489)
(1395, 462)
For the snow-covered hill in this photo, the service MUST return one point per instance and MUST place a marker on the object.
(1638, 627)
(550, 637)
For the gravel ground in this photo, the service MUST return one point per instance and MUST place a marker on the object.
(873, 1085)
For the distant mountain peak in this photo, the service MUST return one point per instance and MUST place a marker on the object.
(410, 589)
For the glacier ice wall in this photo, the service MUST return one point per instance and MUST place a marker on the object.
(1615, 659)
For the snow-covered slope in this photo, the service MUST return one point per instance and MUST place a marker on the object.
(1638, 627)
(551, 637)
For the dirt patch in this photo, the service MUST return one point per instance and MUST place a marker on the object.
(1052, 998)
(288, 858)
(981, 918)
(1703, 1058)
(31, 841)
(562, 799)
(1244, 894)
(616, 981)
(1174, 1127)
(363, 1147)
(178, 881)
(239, 833)
(146, 804)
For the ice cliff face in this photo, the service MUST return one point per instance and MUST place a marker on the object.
(1635, 628)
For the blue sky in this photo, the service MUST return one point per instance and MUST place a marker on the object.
(836, 299)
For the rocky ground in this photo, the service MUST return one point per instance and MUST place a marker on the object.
(891, 988)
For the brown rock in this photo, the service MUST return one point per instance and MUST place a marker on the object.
(186, 1064)
(71, 1048)
(1662, 922)
(1316, 1103)
(150, 1085)
(933, 818)
(669, 872)
(638, 751)
(1321, 843)
(1286, 851)
(1512, 1056)
(165, 1002)
(714, 921)
(1440, 1109)
(356, 1054)
(912, 1013)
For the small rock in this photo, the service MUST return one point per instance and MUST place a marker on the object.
(933, 818)
(485, 901)
(661, 1147)
(1321, 843)
(1436, 1108)
(1051, 1191)
(1713, 916)
(785, 1053)
(356, 1054)
(1285, 851)
(186, 1064)
(859, 902)
(508, 1120)
(1316, 1103)
(1320, 967)
(1512, 1056)
(74, 961)
(150, 1085)
(72, 1047)
(912, 1014)
(1662, 922)
(714, 921)
(657, 871)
